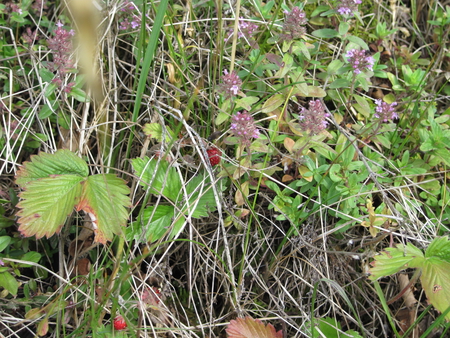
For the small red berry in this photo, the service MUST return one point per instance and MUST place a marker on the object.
(120, 323)
(214, 155)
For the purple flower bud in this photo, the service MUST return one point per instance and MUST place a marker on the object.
(243, 127)
(313, 120)
(385, 111)
(359, 60)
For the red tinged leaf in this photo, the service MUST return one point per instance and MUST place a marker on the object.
(105, 199)
(53, 184)
(251, 328)
(46, 203)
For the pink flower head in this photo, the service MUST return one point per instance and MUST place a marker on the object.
(294, 24)
(359, 60)
(129, 19)
(347, 7)
(231, 84)
(313, 120)
(385, 111)
(243, 127)
(245, 29)
(61, 47)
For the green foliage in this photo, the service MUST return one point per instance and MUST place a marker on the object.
(345, 173)
(9, 269)
(330, 328)
(53, 184)
(435, 142)
(381, 31)
(194, 199)
(434, 264)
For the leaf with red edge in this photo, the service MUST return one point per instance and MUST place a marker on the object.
(251, 328)
(105, 198)
(46, 203)
(63, 162)
(42, 328)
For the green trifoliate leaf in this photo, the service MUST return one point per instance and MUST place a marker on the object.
(46, 203)
(160, 176)
(104, 199)
(63, 162)
(396, 259)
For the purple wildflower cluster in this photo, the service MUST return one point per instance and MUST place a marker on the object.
(246, 29)
(359, 60)
(347, 7)
(11, 7)
(29, 36)
(313, 120)
(294, 24)
(129, 10)
(385, 111)
(243, 127)
(231, 84)
(61, 47)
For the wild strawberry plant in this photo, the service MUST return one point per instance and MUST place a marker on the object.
(434, 265)
(54, 184)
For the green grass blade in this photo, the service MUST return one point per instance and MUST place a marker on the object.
(148, 60)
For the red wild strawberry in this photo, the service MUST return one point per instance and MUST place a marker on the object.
(120, 323)
(214, 155)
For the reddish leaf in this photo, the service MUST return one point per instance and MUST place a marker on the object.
(42, 328)
(54, 184)
(104, 197)
(251, 328)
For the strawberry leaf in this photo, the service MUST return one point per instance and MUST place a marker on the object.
(159, 176)
(104, 197)
(251, 328)
(155, 130)
(199, 188)
(63, 162)
(157, 221)
(440, 247)
(46, 203)
(395, 259)
(434, 277)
